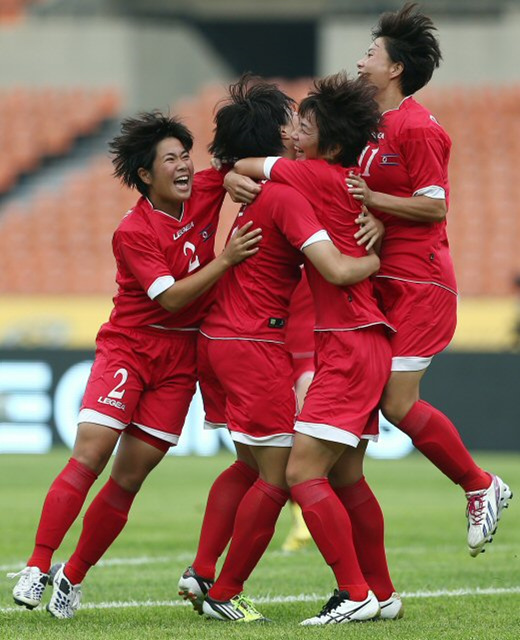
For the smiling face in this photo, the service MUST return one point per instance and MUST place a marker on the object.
(170, 179)
(376, 66)
(287, 134)
(306, 137)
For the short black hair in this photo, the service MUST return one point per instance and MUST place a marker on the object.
(249, 123)
(409, 39)
(136, 147)
(347, 116)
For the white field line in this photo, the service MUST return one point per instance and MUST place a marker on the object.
(302, 597)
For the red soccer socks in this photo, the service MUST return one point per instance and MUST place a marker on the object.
(436, 437)
(60, 509)
(368, 527)
(330, 527)
(223, 501)
(103, 522)
(254, 527)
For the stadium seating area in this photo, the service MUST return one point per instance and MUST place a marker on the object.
(61, 242)
(36, 124)
(13, 10)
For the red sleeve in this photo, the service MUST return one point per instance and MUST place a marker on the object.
(304, 175)
(210, 179)
(426, 153)
(140, 256)
(295, 217)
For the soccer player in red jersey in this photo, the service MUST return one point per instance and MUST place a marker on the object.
(144, 374)
(404, 182)
(340, 412)
(242, 345)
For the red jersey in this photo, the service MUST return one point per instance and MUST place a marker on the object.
(299, 339)
(324, 186)
(411, 158)
(153, 250)
(253, 297)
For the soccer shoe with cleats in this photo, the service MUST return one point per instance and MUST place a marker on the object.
(28, 591)
(194, 588)
(341, 609)
(483, 513)
(392, 608)
(238, 609)
(65, 597)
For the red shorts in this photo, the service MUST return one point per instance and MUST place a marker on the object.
(253, 382)
(352, 370)
(425, 317)
(141, 377)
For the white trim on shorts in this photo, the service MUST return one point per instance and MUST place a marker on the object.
(410, 363)
(277, 440)
(96, 417)
(172, 438)
(322, 431)
(208, 425)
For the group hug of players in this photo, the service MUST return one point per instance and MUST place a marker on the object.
(353, 184)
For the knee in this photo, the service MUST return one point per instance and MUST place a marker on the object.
(294, 474)
(345, 477)
(394, 407)
(92, 458)
(128, 481)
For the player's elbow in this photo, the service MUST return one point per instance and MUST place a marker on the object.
(239, 167)
(439, 211)
(334, 276)
(170, 301)
(172, 306)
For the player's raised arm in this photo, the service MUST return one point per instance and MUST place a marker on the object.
(252, 167)
(242, 245)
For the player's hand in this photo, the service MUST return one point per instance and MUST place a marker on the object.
(241, 188)
(371, 229)
(358, 188)
(242, 244)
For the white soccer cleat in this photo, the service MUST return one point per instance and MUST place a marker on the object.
(28, 591)
(341, 609)
(483, 512)
(194, 588)
(65, 597)
(392, 608)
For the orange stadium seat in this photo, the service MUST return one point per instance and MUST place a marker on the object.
(46, 122)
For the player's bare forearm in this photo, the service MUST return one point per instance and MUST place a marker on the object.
(252, 167)
(418, 208)
(355, 270)
(338, 268)
(242, 245)
(184, 291)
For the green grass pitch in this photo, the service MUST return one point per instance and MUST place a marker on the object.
(132, 594)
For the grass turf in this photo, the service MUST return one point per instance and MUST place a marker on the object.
(132, 594)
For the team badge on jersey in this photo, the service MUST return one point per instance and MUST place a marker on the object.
(207, 232)
(390, 159)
